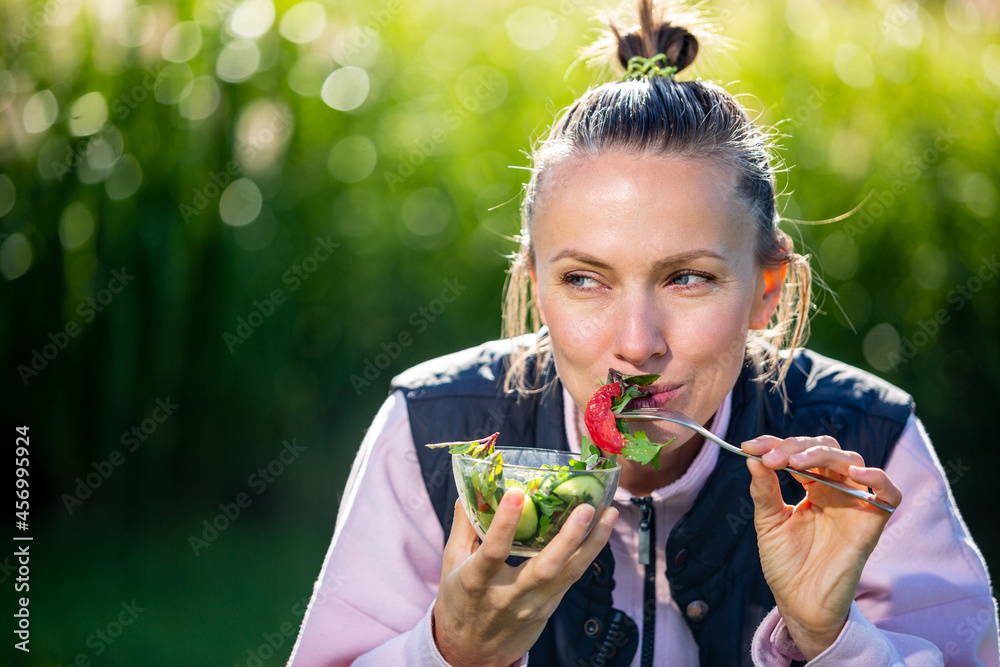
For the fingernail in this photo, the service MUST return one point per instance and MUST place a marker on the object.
(771, 456)
(514, 497)
(584, 514)
(797, 457)
(755, 441)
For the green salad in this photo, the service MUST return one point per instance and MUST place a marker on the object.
(550, 492)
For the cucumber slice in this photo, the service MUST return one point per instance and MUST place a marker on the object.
(583, 487)
(528, 524)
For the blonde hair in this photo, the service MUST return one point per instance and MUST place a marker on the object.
(661, 116)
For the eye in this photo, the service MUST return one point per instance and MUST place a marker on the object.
(580, 280)
(686, 279)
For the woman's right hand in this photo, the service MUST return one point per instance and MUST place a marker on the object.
(488, 613)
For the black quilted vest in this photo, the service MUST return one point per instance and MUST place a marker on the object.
(711, 554)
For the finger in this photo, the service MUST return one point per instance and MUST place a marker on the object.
(552, 559)
(831, 458)
(462, 540)
(879, 482)
(776, 456)
(769, 508)
(592, 545)
(564, 560)
(760, 445)
(496, 545)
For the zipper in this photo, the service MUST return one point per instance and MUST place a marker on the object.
(647, 557)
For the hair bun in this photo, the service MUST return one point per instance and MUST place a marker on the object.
(653, 36)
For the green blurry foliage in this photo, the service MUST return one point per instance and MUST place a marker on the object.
(367, 155)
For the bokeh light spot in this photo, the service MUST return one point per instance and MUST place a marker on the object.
(854, 66)
(125, 179)
(240, 203)
(202, 101)
(839, 256)
(356, 46)
(52, 158)
(8, 194)
(88, 114)
(346, 88)
(979, 194)
(137, 26)
(303, 22)
(174, 83)
(182, 42)
(76, 226)
(15, 256)
(40, 111)
(991, 65)
(929, 266)
(252, 18)
(352, 159)
(881, 347)
(807, 19)
(531, 28)
(237, 61)
(426, 212)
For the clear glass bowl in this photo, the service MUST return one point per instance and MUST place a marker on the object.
(550, 495)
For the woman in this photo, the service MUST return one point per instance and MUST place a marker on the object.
(650, 245)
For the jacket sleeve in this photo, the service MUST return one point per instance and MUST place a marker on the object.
(925, 596)
(372, 604)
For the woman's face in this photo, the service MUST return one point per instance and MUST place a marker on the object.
(646, 265)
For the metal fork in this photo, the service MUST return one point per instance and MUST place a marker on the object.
(684, 420)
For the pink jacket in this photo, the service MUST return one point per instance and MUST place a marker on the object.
(924, 596)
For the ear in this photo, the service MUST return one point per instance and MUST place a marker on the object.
(534, 288)
(769, 285)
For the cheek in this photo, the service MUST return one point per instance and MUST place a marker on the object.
(581, 340)
(707, 331)
(712, 344)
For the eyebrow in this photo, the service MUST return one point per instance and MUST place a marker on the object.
(679, 258)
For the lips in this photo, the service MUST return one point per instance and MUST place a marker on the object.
(660, 395)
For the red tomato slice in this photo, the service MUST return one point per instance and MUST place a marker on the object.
(600, 421)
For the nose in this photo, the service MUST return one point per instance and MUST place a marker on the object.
(641, 334)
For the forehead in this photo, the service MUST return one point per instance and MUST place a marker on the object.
(663, 200)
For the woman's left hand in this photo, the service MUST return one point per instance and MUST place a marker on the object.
(812, 554)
